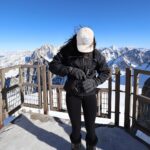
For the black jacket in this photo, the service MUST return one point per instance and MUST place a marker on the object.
(93, 64)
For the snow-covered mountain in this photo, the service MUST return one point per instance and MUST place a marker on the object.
(127, 57)
(38, 56)
(8, 59)
(116, 57)
(44, 53)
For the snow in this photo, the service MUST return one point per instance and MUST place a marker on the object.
(32, 99)
(134, 57)
(13, 58)
(33, 131)
(12, 73)
(116, 57)
(143, 136)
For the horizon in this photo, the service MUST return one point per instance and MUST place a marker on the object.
(27, 25)
(99, 48)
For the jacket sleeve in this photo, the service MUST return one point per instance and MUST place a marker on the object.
(103, 70)
(57, 65)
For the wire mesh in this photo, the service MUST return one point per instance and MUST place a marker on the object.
(143, 116)
(55, 98)
(64, 100)
(102, 103)
(29, 75)
(31, 95)
(13, 98)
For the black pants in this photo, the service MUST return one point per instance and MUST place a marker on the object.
(74, 109)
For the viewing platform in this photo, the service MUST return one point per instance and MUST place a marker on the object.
(33, 114)
(34, 131)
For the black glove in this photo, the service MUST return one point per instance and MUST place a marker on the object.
(89, 85)
(77, 73)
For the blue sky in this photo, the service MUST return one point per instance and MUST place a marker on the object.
(28, 24)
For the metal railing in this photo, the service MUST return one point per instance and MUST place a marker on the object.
(34, 88)
(141, 105)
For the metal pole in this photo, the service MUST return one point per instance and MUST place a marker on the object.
(3, 112)
(39, 86)
(127, 99)
(45, 100)
(109, 96)
(1, 102)
(50, 89)
(117, 96)
(20, 83)
(135, 92)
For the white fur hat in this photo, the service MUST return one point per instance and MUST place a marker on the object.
(85, 40)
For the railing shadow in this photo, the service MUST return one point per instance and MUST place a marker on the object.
(110, 137)
(67, 128)
(48, 137)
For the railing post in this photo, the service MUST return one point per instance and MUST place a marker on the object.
(45, 100)
(98, 102)
(1, 111)
(20, 83)
(39, 86)
(127, 99)
(1, 102)
(109, 96)
(135, 92)
(50, 89)
(59, 99)
(117, 96)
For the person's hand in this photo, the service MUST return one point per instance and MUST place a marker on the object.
(77, 73)
(89, 85)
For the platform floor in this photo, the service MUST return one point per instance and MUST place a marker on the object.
(40, 132)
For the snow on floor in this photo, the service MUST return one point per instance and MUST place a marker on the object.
(33, 131)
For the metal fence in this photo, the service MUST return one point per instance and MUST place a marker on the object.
(32, 87)
(56, 99)
(141, 105)
(10, 91)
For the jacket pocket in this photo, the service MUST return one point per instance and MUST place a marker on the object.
(73, 86)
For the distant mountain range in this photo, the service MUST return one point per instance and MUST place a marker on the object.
(127, 57)
(9, 58)
(46, 52)
(115, 57)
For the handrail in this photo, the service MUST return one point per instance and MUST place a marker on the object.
(45, 89)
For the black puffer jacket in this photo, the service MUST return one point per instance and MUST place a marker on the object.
(93, 64)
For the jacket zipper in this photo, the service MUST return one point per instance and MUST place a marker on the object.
(83, 70)
(83, 64)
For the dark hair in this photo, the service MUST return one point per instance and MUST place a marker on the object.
(70, 47)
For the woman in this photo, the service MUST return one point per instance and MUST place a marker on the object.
(85, 69)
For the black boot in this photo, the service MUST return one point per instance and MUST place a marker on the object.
(90, 147)
(75, 146)
(91, 144)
